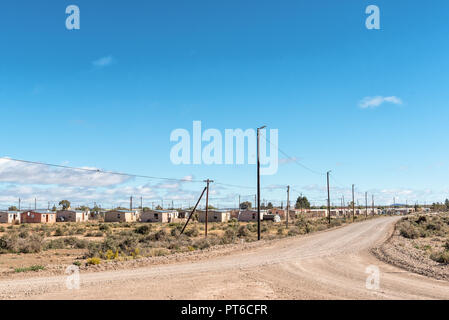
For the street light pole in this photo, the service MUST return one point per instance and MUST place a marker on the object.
(258, 181)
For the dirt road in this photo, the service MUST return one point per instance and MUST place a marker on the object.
(326, 265)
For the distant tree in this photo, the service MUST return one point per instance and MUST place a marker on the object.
(83, 208)
(65, 204)
(158, 208)
(13, 208)
(446, 203)
(211, 207)
(302, 203)
(54, 208)
(145, 209)
(269, 205)
(245, 205)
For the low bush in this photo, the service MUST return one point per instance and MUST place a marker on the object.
(93, 261)
(441, 257)
(27, 269)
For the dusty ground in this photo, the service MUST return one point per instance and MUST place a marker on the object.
(325, 265)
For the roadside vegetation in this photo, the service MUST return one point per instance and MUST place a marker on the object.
(429, 234)
(98, 242)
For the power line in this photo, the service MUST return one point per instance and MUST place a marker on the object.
(293, 158)
(100, 171)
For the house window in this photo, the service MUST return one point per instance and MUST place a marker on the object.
(254, 216)
(156, 216)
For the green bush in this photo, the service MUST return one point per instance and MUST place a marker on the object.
(32, 268)
(143, 229)
(192, 232)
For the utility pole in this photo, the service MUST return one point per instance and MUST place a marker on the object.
(366, 204)
(239, 203)
(373, 203)
(35, 204)
(344, 206)
(258, 181)
(353, 204)
(141, 204)
(328, 198)
(20, 200)
(131, 203)
(288, 202)
(207, 203)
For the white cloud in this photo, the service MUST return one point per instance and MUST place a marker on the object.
(374, 102)
(24, 173)
(104, 62)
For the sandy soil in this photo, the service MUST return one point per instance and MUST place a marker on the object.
(325, 265)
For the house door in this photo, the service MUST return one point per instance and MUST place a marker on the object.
(46, 217)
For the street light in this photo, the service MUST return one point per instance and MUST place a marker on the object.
(258, 181)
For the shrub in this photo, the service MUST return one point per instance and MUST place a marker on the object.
(408, 231)
(229, 236)
(192, 232)
(201, 244)
(104, 227)
(242, 232)
(441, 257)
(32, 268)
(93, 261)
(59, 232)
(144, 229)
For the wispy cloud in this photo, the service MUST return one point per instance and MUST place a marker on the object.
(374, 102)
(23, 173)
(103, 62)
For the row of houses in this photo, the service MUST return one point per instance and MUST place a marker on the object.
(43, 216)
(167, 216)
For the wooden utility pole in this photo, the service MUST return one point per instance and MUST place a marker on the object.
(207, 203)
(239, 203)
(366, 204)
(288, 203)
(35, 204)
(258, 181)
(141, 203)
(373, 203)
(328, 199)
(353, 204)
(193, 211)
(344, 206)
(131, 203)
(20, 200)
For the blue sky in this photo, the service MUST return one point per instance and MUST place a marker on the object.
(109, 95)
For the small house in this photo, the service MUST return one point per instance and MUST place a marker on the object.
(121, 216)
(163, 216)
(72, 216)
(38, 216)
(9, 217)
(214, 216)
(250, 215)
